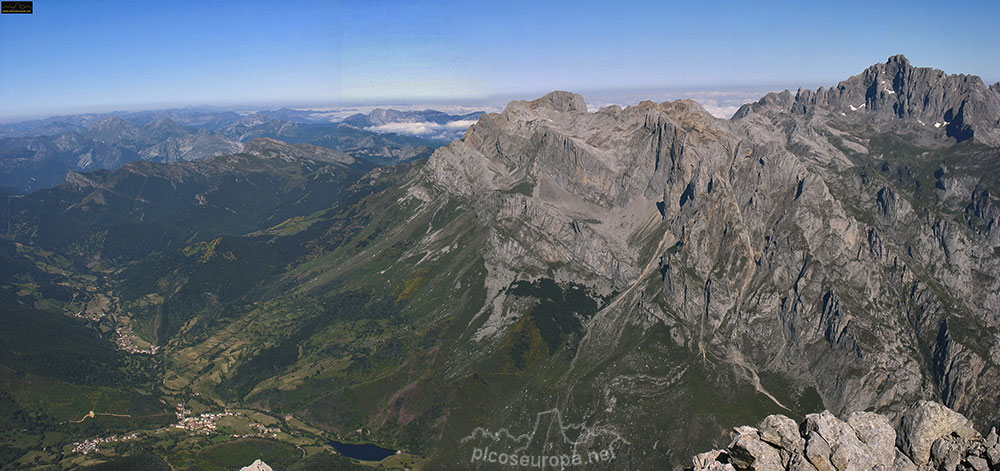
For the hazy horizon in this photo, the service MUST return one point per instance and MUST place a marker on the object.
(75, 58)
(721, 103)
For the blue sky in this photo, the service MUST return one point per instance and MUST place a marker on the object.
(81, 56)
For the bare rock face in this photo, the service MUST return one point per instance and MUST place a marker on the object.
(190, 147)
(929, 424)
(930, 437)
(266, 147)
(803, 254)
(566, 102)
(257, 465)
(959, 107)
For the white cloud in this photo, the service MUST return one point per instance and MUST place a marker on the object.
(446, 131)
(724, 112)
(415, 129)
(460, 125)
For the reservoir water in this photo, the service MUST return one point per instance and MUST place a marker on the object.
(362, 451)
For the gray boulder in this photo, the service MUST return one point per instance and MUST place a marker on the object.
(927, 422)
(930, 437)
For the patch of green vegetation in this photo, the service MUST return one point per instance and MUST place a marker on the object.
(236, 454)
(525, 188)
(9, 454)
(268, 362)
(801, 399)
(410, 287)
(328, 462)
(55, 346)
(332, 406)
(524, 345)
(144, 462)
(559, 312)
(290, 226)
(695, 411)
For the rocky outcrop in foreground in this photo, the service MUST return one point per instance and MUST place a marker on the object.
(257, 465)
(929, 436)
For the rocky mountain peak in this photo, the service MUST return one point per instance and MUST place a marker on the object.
(164, 128)
(900, 61)
(164, 123)
(555, 139)
(111, 122)
(894, 95)
(617, 168)
(566, 102)
(112, 129)
(273, 148)
(383, 115)
(78, 180)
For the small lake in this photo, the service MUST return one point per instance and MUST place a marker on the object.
(362, 451)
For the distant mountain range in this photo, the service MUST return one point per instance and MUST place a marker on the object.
(37, 154)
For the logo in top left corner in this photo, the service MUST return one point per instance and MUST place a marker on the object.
(16, 7)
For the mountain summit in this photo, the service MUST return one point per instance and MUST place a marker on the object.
(959, 106)
(566, 102)
(815, 245)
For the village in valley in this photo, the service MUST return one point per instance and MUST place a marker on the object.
(126, 340)
(240, 424)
